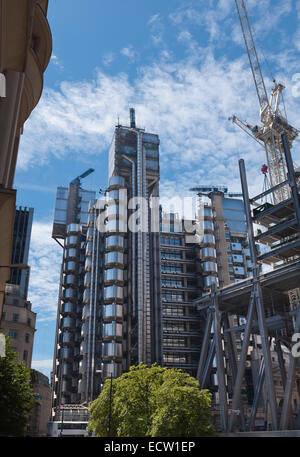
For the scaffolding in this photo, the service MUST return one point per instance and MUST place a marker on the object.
(262, 301)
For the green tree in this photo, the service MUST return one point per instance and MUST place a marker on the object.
(152, 401)
(16, 397)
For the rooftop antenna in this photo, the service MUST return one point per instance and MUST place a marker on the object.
(132, 118)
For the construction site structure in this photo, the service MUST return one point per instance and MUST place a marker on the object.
(272, 115)
(270, 322)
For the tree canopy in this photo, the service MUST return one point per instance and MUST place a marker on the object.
(16, 397)
(152, 402)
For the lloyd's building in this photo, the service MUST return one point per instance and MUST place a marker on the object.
(109, 306)
(131, 273)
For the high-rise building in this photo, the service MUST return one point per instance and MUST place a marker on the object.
(131, 272)
(18, 319)
(26, 46)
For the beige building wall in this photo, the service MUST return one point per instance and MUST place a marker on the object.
(18, 322)
(25, 51)
(42, 408)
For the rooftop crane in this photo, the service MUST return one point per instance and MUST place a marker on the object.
(83, 175)
(273, 122)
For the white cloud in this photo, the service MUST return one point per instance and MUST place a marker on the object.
(187, 103)
(44, 366)
(130, 53)
(108, 59)
(56, 61)
(44, 259)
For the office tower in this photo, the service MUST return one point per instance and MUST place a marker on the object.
(18, 320)
(69, 230)
(20, 253)
(26, 46)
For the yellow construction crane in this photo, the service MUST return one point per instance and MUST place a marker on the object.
(272, 117)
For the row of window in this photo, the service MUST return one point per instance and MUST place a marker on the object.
(174, 358)
(173, 327)
(172, 297)
(171, 268)
(174, 341)
(172, 283)
(173, 310)
(170, 241)
(170, 255)
(13, 334)
(16, 318)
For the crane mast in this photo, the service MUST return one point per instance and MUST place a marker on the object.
(274, 123)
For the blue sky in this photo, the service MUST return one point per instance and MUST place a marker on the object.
(183, 66)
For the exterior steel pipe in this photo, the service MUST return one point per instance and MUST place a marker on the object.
(133, 286)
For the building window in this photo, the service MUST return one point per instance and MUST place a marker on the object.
(173, 327)
(3, 316)
(171, 268)
(27, 338)
(174, 358)
(25, 356)
(174, 341)
(15, 317)
(171, 283)
(170, 255)
(172, 297)
(29, 322)
(170, 241)
(13, 334)
(173, 310)
(15, 302)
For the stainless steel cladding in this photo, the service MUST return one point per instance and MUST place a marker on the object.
(113, 311)
(114, 242)
(208, 240)
(207, 226)
(70, 294)
(68, 322)
(210, 280)
(114, 258)
(115, 226)
(116, 182)
(69, 307)
(72, 240)
(209, 267)
(89, 248)
(70, 267)
(83, 365)
(111, 369)
(85, 328)
(84, 347)
(71, 280)
(87, 279)
(67, 337)
(73, 229)
(207, 212)
(72, 253)
(85, 311)
(208, 253)
(88, 264)
(113, 293)
(114, 275)
(112, 350)
(112, 330)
